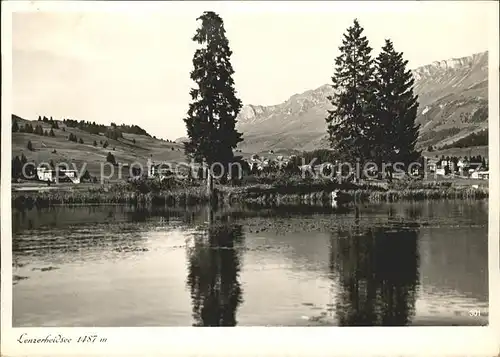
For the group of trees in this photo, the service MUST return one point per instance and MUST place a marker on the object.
(89, 127)
(17, 167)
(72, 137)
(53, 123)
(473, 139)
(114, 132)
(28, 128)
(374, 105)
(133, 129)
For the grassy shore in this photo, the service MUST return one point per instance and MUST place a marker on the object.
(182, 197)
(319, 192)
(282, 191)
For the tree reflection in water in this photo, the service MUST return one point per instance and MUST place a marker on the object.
(214, 263)
(377, 268)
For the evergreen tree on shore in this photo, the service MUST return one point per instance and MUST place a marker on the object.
(211, 117)
(350, 123)
(15, 126)
(396, 133)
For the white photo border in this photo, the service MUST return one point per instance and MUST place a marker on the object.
(261, 341)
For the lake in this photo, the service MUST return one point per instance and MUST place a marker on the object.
(421, 263)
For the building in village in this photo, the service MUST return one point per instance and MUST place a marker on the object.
(59, 175)
(480, 175)
(45, 174)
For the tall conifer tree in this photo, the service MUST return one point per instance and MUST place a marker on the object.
(350, 123)
(212, 114)
(397, 108)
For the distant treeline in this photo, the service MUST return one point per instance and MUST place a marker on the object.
(28, 128)
(132, 129)
(114, 133)
(87, 126)
(474, 139)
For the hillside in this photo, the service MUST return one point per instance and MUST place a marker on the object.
(453, 97)
(125, 150)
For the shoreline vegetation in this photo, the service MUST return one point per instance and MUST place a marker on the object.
(281, 192)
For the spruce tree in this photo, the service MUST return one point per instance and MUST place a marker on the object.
(24, 160)
(350, 123)
(15, 126)
(397, 108)
(28, 128)
(211, 117)
(17, 167)
(111, 158)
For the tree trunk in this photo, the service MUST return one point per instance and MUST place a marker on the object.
(210, 183)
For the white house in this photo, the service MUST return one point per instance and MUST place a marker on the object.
(480, 175)
(71, 174)
(45, 174)
(462, 165)
(161, 169)
(440, 172)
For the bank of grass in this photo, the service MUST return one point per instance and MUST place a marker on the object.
(283, 190)
(319, 192)
(123, 193)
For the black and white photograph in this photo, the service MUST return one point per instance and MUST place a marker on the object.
(217, 167)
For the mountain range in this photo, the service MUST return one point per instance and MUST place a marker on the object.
(453, 103)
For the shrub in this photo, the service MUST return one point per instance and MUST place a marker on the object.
(111, 158)
(114, 134)
(39, 130)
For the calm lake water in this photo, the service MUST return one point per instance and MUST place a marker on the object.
(398, 264)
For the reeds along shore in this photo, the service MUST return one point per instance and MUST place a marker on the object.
(316, 193)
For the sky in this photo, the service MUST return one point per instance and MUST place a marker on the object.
(130, 63)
